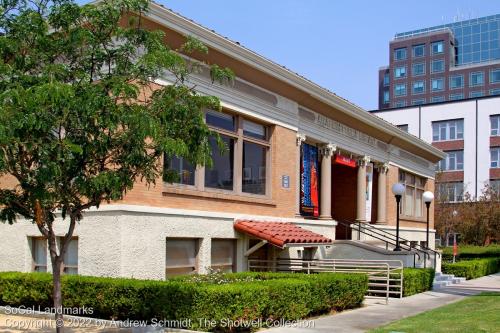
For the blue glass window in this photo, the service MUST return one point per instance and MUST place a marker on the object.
(400, 72)
(474, 94)
(400, 89)
(456, 81)
(400, 104)
(495, 75)
(437, 66)
(436, 99)
(476, 79)
(386, 79)
(386, 96)
(455, 97)
(437, 47)
(419, 50)
(419, 101)
(494, 92)
(437, 84)
(418, 87)
(400, 54)
(418, 69)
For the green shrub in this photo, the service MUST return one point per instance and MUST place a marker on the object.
(472, 252)
(235, 297)
(417, 280)
(471, 269)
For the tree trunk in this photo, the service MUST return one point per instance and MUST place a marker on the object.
(57, 295)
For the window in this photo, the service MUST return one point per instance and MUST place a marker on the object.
(456, 97)
(495, 157)
(386, 96)
(418, 69)
(400, 89)
(495, 75)
(437, 66)
(221, 120)
(220, 175)
(418, 87)
(494, 92)
(254, 168)
(412, 204)
(495, 185)
(386, 79)
(403, 127)
(456, 81)
(448, 130)
(454, 161)
(184, 170)
(476, 79)
(495, 125)
(437, 47)
(419, 101)
(181, 256)
(223, 255)
(437, 84)
(450, 192)
(475, 94)
(436, 99)
(39, 254)
(400, 104)
(400, 72)
(419, 50)
(70, 259)
(400, 54)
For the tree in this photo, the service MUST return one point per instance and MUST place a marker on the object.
(80, 120)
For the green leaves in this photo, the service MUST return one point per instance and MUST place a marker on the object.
(80, 120)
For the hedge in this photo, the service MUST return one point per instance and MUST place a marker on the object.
(472, 252)
(417, 280)
(471, 269)
(240, 297)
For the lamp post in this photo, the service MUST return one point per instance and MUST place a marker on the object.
(428, 196)
(397, 189)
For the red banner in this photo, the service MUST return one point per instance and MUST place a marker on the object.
(344, 160)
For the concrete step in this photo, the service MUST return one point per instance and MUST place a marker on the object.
(441, 284)
(444, 280)
(457, 280)
(444, 277)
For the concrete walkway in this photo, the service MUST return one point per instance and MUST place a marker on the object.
(375, 314)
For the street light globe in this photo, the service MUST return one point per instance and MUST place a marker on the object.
(428, 196)
(398, 189)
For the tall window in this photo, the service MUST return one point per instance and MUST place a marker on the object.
(419, 50)
(418, 87)
(223, 255)
(400, 72)
(39, 254)
(456, 81)
(220, 175)
(412, 204)
(181, 256)
(437, 66)
(418, 69)
(184, 170)
(437, 84)
(386, 79)
(70, 259)
(495, 125)
(400, 54)
(386, 96)
(495, 157)
(448, 130)
(450, 192)
(476, 79)
(454, 161)
(437, 47)
(400, 90)
(495, 75)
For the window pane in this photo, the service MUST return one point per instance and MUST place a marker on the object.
(408, 210)
(39, 253)
(181, 256)
(254, 168)
(221, 120)
(223, 254)
(418, 203)
(254, 130)
(71, 255)
(182, 167)
(221, 174)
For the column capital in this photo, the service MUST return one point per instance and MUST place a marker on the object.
(363, 161)
(328, 149)
(382, 167)
(301, 137)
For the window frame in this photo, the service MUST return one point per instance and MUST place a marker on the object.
(405, 89)
(400, 103)
(438, 42)
(495, 70)
(452, 155)
(413, 68)
(495, 131)
(233, 265)
(386, 79)
(437, 61)
(413, 87)
(395, 53)
(494, 92)
(34, 264)
(447, 125)
(414, 47)
(418, 101)
(471, 84)
(239, 139)
(440, 79)
(461, 86)
(434, 99)
(196, 257)
(456, 96)
(495, 160)
(402, 70)
(386, 93)
(64, 265)
(457, 197)
(418, 188)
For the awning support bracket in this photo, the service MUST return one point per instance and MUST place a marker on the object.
(255, 247)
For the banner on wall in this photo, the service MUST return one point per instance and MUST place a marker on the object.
(369, 192)
(309, 194)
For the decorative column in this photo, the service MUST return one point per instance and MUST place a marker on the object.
(361, 189)
(326, 181)
(381, 193)
(300, 138)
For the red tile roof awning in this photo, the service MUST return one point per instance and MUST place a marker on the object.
(280, 233)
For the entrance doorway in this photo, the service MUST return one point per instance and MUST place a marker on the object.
(344, 189)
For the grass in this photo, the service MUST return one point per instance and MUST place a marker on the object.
(480, 313)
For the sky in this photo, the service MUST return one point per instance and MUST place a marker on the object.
(339, 45)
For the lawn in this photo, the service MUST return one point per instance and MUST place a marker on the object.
(479, 313)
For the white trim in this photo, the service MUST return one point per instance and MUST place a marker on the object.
(411, 171)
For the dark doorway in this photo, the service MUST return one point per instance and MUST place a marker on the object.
(344, 181)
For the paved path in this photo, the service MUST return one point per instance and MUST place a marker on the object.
(375, 314)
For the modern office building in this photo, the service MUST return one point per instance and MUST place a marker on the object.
(442, 63)
(468, 131)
